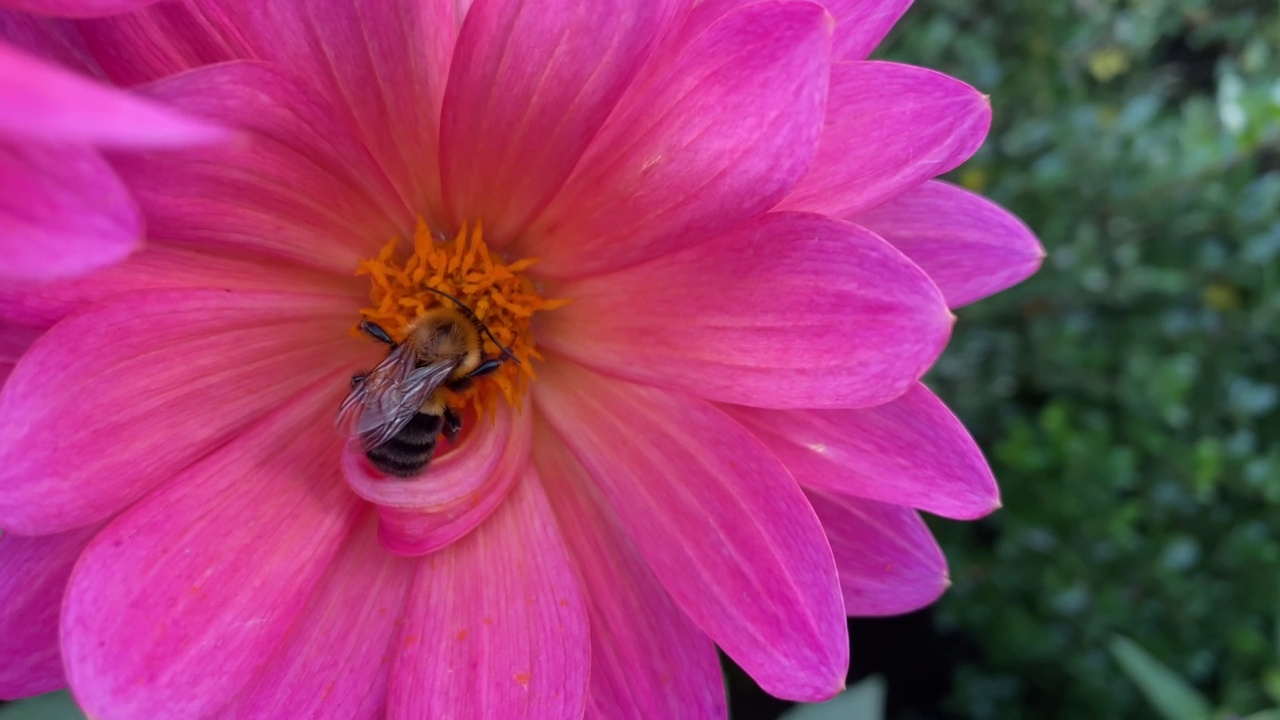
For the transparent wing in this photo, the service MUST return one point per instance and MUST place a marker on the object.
(390, 395)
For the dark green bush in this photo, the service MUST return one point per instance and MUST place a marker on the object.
(1127, 395)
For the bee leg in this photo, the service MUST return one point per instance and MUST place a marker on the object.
(486, 367)
(375, 331)
(357, 379)
(452, 423)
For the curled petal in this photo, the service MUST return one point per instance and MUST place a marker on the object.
(888, 561)
(174, 606)
(458, 491)
(529, 87)
(970, 246)
(296, 186)
(33, 578)
(722, 525)
(648, 659)
(47, 104)
(63, 212)
(334, 663)
(166, 376)
(911, 451)
(494, 624)
(889, 128)
(791, 310)
(721, 134)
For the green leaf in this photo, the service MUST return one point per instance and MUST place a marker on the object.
(1172, 697)
(863, 701)
(54, 706)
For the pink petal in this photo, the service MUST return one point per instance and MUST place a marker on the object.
(495, 625)
(45, 103)
(720, 522)
(970, 246)
(166, 376)
(862, 24)
(528, 89)
(63, 212)
(33, 576)
(54, 41)
(166, 38)
(721, 135)
(888, 561)
(76, 8)
(460, 489)
(15, 339)
(383, 65)
(889, 128)
(648, 660)
(297, 186)
(791, 310)
(162, 266)
(336, 662)
(175, 606)
(911, 451)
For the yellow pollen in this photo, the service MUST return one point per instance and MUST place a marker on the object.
(497, 292)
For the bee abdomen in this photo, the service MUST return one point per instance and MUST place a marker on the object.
(408, 453)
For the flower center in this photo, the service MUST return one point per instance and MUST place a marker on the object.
(496, 292)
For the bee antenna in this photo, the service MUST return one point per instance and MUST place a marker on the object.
(472, 317)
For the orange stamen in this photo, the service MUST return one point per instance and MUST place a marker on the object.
(497, 292)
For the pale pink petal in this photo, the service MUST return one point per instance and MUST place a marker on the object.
(889, 128)
(163, 39)
(460, 489)
(162, 266)
(45, 103)
(336, 661)
(912, 451)
(76, 8)
(529, 87)
(33, 577)
(153, 381)
(382, 64)
(296, 186)
(719, 136)
(862, 24)
(720, 522)
(970, 246)
(791, 310)
(648, 659)
(63, 212)
(175, 606)
(494, 624)
(888, 561)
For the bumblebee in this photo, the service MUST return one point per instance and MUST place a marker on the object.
(397, 409)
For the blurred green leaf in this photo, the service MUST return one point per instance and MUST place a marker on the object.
(53, 706)
(862, 701)
(1172, 697)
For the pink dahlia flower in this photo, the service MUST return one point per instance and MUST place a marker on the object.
(63, 210)
(709, 236)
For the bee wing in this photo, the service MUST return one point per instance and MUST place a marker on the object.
(390, 395)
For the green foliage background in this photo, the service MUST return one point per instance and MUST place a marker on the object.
(1127, 395)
